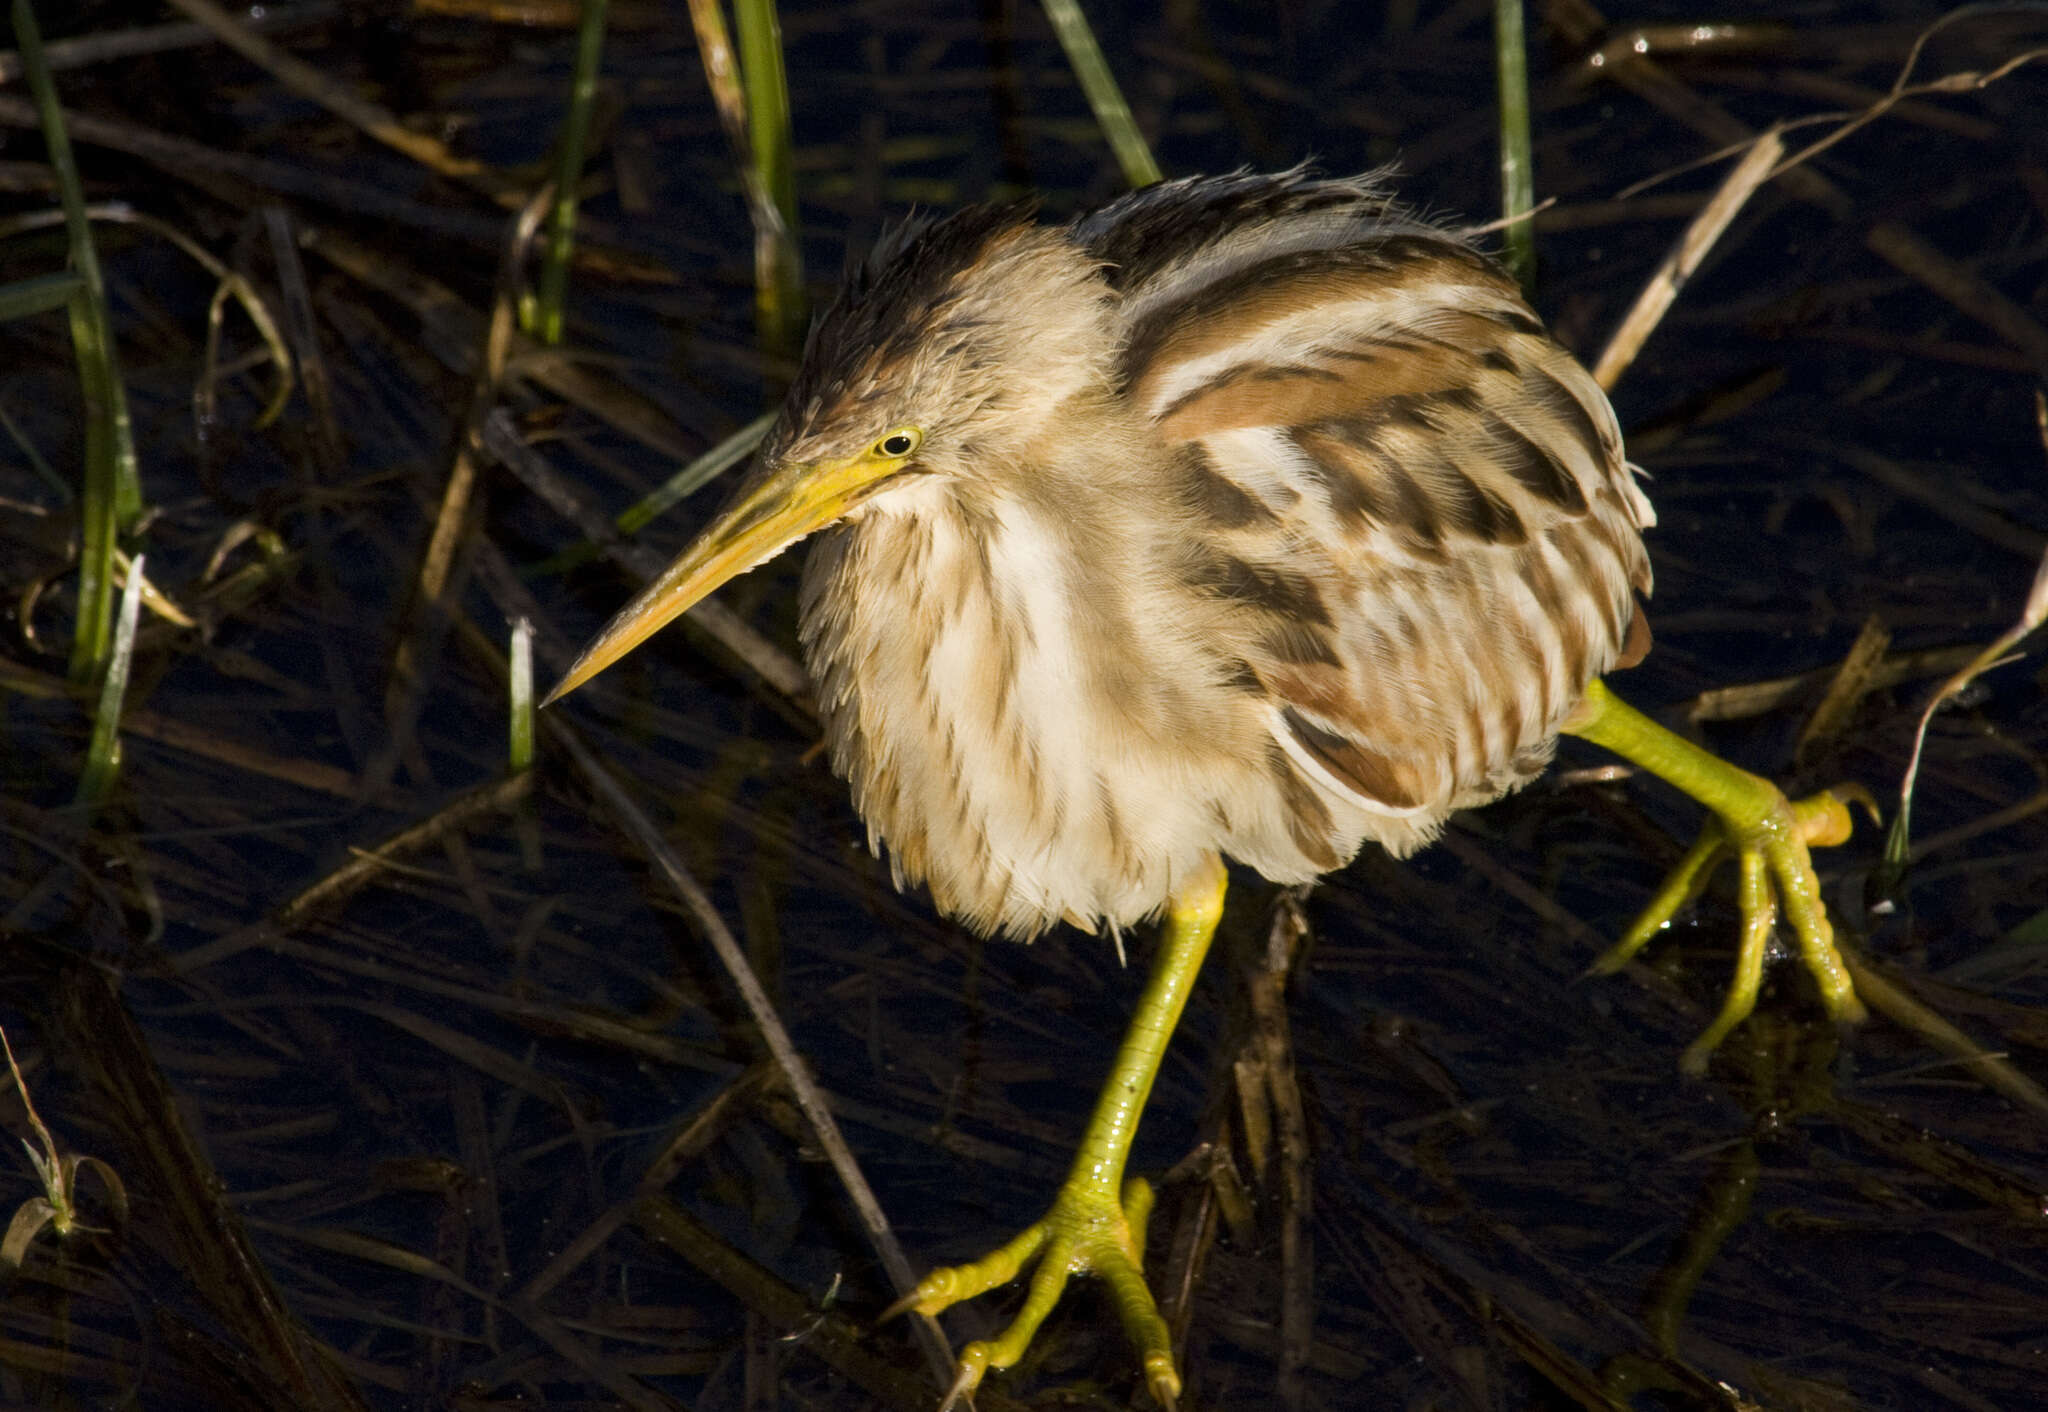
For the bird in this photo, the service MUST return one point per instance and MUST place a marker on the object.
(1250, 517)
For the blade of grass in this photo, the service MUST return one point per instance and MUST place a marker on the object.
(545, 317)
(25, 298)
(1897, 844)
(1517, 167)
(519, 758)
(103, 754)
(772, 233)
(112, 499)
(1098, 85)
(700, 471)
(778, 263)
(520, 683)
(1686, 257)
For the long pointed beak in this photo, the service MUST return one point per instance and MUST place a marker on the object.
(782, 504)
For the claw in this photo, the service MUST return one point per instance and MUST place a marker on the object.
(1773, 853)
(1086, 1232)
(1851, 792)
(973, 1363)
(1771, 838)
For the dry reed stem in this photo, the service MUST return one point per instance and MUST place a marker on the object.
(86, 50)
(1984, 823)
(692, 1138)
(1962, 287)
(206, 166)
(1267, 1082)
(1580, 22)
(829, 1336)
(196, 740)
(1987, 524)
(803, 1088)
(184, 1198)
(455, 332)
(483, 802)
(1852, 681)
(330, 448)
(1578, 19)
(373, 120)
(1687, 40)
(774, 666)
(1686, 257)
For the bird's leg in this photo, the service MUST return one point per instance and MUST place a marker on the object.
(1768, 835)
(1097, 1222)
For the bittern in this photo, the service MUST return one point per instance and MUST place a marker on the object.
(1246, 516)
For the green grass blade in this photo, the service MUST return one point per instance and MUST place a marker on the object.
(700, 471)
(779, 287)
(103, 754)
(553, 284)
(112, 500)
(100, 501)
(25, 298)
(519, 681)
(1517, 169)
(1098, 85)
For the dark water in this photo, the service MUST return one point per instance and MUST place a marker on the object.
(418, 1095)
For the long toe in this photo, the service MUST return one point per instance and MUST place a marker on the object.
(950, 1285)
(1088, 1231)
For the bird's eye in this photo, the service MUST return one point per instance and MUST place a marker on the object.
(898, 444)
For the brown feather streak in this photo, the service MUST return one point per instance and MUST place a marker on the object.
(1214, 496)
(1535, 467)
(1284, 594)
(1372, 774)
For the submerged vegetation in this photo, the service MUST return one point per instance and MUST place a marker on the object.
(341, 339)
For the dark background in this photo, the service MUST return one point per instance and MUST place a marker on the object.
(418, 1092)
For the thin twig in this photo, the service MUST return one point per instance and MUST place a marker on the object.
(803, 1088)
(1685, 258)
(86, 50)
(377, 122)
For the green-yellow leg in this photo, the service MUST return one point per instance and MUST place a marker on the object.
(1097, 1222)
(1770, 837)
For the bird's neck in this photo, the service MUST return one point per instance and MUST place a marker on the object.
(1036, 575)
(973, 654)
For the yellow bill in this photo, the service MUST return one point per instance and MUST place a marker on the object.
(783, 504)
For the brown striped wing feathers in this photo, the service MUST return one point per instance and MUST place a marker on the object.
(1411, 502)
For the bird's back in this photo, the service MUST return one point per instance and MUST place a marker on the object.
(1413, 500)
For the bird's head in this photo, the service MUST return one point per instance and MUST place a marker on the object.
(947, 355)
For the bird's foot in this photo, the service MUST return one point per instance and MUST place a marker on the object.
(1089, 1230)
(1771, 838)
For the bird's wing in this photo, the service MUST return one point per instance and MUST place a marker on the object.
(1414, 502)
